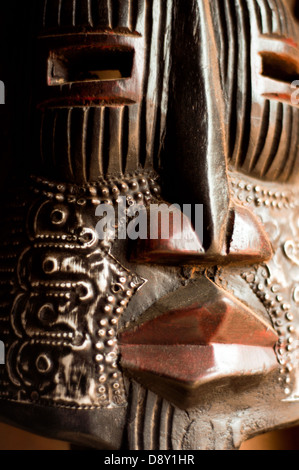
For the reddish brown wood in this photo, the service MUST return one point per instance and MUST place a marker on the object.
(207, 314)
(245, 241)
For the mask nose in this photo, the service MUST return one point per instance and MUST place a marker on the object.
(196, 155)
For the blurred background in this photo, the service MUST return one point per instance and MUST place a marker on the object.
(15, 439)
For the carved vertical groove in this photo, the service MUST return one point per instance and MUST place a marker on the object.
(223, 38)
(166, 426)
(245, 99)
(261, 162)
(231, 77)
(106, 140)
(115, 144)
(264, 127)
(45, 136)
(150, 420)
(45, 12)
(69, 143)
(294, 150)
(137, 410)
(134, 14)
(53, 155)
(166, 60)
(268, 21)
(82, 13)
(134, 118)
(90, 19)
(84, 140)
(124, 138)
(284, 18)
(78, 132)
(143, 130)
(276, 147)
(152, 83)
(276, 21)
(276, 139)
(59, 12)
(258, 14)
(291, 144)
(160, 109)
(278, 161)
(122, 14)
(265, 15)
(272, 17)
(94, 143)
(131, 427)
(152, 122)
(111, 14)
(41, 129)
(61, 144)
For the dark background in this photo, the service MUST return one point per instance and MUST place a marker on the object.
(15, 439)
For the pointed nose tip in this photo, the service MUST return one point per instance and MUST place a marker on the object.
(246, 242)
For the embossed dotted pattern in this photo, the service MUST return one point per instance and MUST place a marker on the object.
(59, 310)
(276, 283)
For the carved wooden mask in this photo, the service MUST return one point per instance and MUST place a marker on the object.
(165, 343)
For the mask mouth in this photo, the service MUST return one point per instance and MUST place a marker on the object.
(194, 336)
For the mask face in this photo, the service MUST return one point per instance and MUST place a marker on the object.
(182, 331)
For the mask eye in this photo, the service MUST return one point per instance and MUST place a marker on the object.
(279, 67)
(262, 110)
(89, 64)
